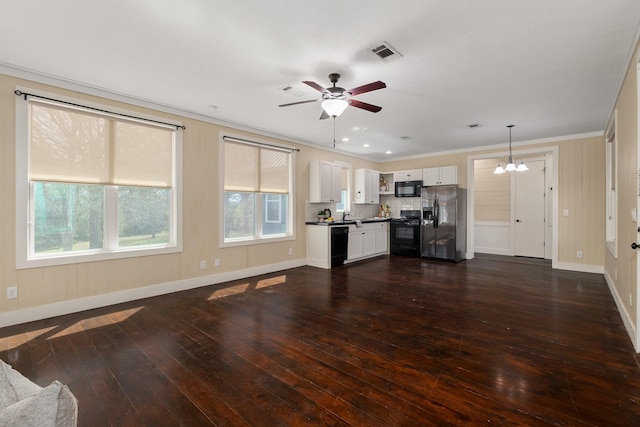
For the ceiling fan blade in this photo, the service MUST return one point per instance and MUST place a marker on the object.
(367, 88)
(324, 115)
(314, 85)
(296, 103)
(364, 105)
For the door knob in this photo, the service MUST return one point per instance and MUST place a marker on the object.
(634, 245)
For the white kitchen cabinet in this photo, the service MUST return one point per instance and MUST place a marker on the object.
(382, 238)
(319, 246)
(408, 175)
(324, 181)
(370, 239)
(366, 186)
(354, 245)
(368, 243)
(386, 187)
(444, 175)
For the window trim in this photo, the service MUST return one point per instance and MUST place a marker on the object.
(258, 240)
(23, 205)
(611, 202)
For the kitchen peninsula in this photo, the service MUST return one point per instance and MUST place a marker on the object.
(332, 243)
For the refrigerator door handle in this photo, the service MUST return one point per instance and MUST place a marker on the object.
(436, 210)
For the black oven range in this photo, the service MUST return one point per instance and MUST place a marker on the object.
(405, 233)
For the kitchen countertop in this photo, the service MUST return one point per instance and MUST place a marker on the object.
(347, 222)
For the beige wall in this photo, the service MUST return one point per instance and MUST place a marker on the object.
(41, 286)
(581, 191)
(492, 193)
(622, 272)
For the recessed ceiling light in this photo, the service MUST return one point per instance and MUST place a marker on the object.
(366, 145)
(213, 107)
(388, 152)
(345, 139)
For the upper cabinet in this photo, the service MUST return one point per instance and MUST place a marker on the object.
(366, 186)
(444, 175)
(324, 181)
(408, 175)
(386, 183)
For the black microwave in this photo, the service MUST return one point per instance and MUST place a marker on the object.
(408, 188)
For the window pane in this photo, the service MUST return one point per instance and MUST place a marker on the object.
(275, 218)
(239, 215)
(144, 216)
(67, 217)
(340, 206)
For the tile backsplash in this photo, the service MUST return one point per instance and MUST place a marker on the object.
(396, 204)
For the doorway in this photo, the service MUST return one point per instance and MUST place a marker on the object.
(497, 236)
(529, 223)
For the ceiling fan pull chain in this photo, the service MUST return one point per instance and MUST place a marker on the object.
(334, 131)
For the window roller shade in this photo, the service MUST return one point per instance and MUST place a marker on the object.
(254, 169)
(79, 147)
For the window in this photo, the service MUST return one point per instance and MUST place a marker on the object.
(93, 185)
(257, 188)
(343, 204)
(611, 228)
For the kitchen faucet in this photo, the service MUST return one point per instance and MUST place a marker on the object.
(344, 215)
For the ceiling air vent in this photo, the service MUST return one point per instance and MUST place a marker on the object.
(386, 52)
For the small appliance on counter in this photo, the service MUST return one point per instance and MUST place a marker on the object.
(408, 188)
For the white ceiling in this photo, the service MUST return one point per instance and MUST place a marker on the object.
(551, 67)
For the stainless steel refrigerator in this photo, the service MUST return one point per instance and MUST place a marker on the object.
(444, 222)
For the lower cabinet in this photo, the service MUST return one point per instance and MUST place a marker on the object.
(368, 240)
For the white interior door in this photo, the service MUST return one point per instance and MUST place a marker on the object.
(529, 212)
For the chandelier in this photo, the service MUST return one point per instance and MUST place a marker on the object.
(509, 165)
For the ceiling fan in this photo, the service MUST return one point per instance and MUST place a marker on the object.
(336, 99)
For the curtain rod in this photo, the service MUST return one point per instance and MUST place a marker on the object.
(20, 93)
(246, 141)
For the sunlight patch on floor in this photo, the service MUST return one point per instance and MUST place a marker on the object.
(97, 322)
(243, 287)
(15, 341)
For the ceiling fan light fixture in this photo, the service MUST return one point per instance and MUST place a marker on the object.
(334, 107)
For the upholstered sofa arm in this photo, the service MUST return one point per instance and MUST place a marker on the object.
(25, 404)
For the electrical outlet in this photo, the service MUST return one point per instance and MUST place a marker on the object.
(203, 264)
(579, 254)
(12, 292)
(290, 251)
(565, 212)
(217, 262)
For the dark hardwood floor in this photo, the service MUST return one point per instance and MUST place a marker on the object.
(387, 342)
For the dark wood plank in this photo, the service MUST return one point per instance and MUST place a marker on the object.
(389, 341)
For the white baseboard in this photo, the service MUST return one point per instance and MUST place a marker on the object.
(624, 314)
(493, 251)
(584, 268)
(102, 300)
